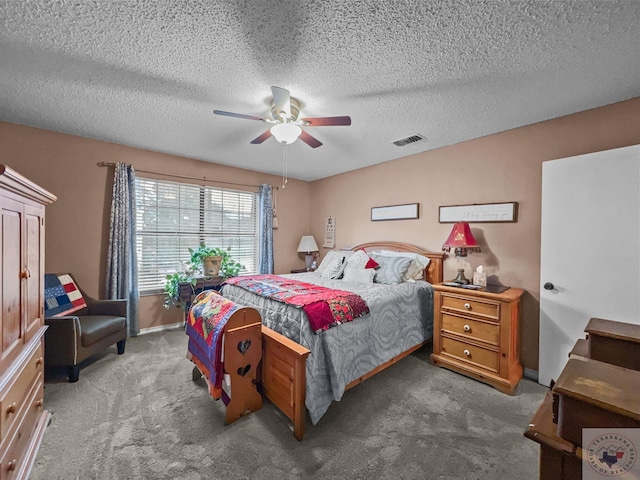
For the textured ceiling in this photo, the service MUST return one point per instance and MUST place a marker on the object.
(149, 73)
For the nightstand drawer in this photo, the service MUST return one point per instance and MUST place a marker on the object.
(470, 353)
(478, 307)
(484, 331)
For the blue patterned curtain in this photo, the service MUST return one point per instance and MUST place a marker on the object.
(122, 264)
(265, 215)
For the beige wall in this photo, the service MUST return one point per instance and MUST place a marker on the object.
(499, 168)
(78, 222)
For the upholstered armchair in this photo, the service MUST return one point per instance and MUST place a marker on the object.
(79, 326)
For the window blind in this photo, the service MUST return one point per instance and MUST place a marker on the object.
(173, 217)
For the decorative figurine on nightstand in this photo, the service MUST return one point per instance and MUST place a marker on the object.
(463, 241)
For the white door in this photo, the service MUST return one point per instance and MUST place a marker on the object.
(589, 259)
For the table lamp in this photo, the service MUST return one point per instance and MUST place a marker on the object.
(462, 240)
(309, 247)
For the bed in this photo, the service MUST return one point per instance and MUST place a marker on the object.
(303, 370)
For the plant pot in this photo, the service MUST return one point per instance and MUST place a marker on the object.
(211, 266)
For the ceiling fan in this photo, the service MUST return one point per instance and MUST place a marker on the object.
(287, 127)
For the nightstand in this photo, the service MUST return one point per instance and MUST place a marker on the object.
(476, 333)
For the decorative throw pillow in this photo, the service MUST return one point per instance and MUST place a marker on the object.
(358, 260)
(371, 263)
(328, 258)
(334, 270)
(360, 276)
(391, 270)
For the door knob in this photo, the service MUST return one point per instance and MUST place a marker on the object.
(548, 286)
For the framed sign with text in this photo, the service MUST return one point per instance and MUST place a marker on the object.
(479, 212)
(395, 212)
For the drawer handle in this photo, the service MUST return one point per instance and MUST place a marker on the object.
(39, 361)
(39, 403)
(12, 408)
(466, 328)
(12, 465)
(467, 306)
(466, 352)
(26, 273)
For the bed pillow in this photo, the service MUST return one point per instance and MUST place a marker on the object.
(416, 267)
(360, 276)
(326, 260)
(391, 270)
(333, 270)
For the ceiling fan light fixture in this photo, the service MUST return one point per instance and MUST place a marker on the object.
(286, 133)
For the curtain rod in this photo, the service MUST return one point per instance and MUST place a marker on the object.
(111, 164)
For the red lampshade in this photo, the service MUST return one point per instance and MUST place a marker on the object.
(461, 239)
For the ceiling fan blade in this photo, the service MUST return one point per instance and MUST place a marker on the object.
(237, 115)
(262, 137)
(282, 100)
(327, 121)
(309, 140)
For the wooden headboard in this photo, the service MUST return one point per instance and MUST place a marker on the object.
(433, 272)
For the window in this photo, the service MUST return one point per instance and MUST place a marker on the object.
(173, 217)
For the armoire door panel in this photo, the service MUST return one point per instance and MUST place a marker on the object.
(34, 274)
(10, 289)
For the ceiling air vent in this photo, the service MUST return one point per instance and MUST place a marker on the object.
(406, 141)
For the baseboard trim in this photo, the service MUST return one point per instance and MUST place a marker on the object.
(161, 328)
(531, 374)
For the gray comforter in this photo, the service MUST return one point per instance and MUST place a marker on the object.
(401, 316)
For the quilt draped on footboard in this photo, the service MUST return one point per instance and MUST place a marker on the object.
(208, 316)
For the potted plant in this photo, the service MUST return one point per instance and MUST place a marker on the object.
(172, 288)
(222, 263)
(225, 267)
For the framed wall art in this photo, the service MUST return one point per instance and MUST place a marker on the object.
(479, 212)
(395, 212)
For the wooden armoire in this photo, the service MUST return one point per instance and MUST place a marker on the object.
(23, 418)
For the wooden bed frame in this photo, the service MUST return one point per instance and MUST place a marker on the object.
(284, 361)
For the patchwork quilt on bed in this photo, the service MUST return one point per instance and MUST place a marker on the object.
(208, 316)
(61, 295)
(325, 307)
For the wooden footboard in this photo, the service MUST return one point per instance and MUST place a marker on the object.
(284, 376)
(242, 347)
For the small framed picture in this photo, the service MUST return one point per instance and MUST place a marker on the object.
(395, 212)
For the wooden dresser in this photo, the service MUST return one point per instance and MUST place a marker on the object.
(590, 393)
(22, 417)
(476, 333)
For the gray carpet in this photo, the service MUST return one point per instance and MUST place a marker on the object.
(140, 416)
